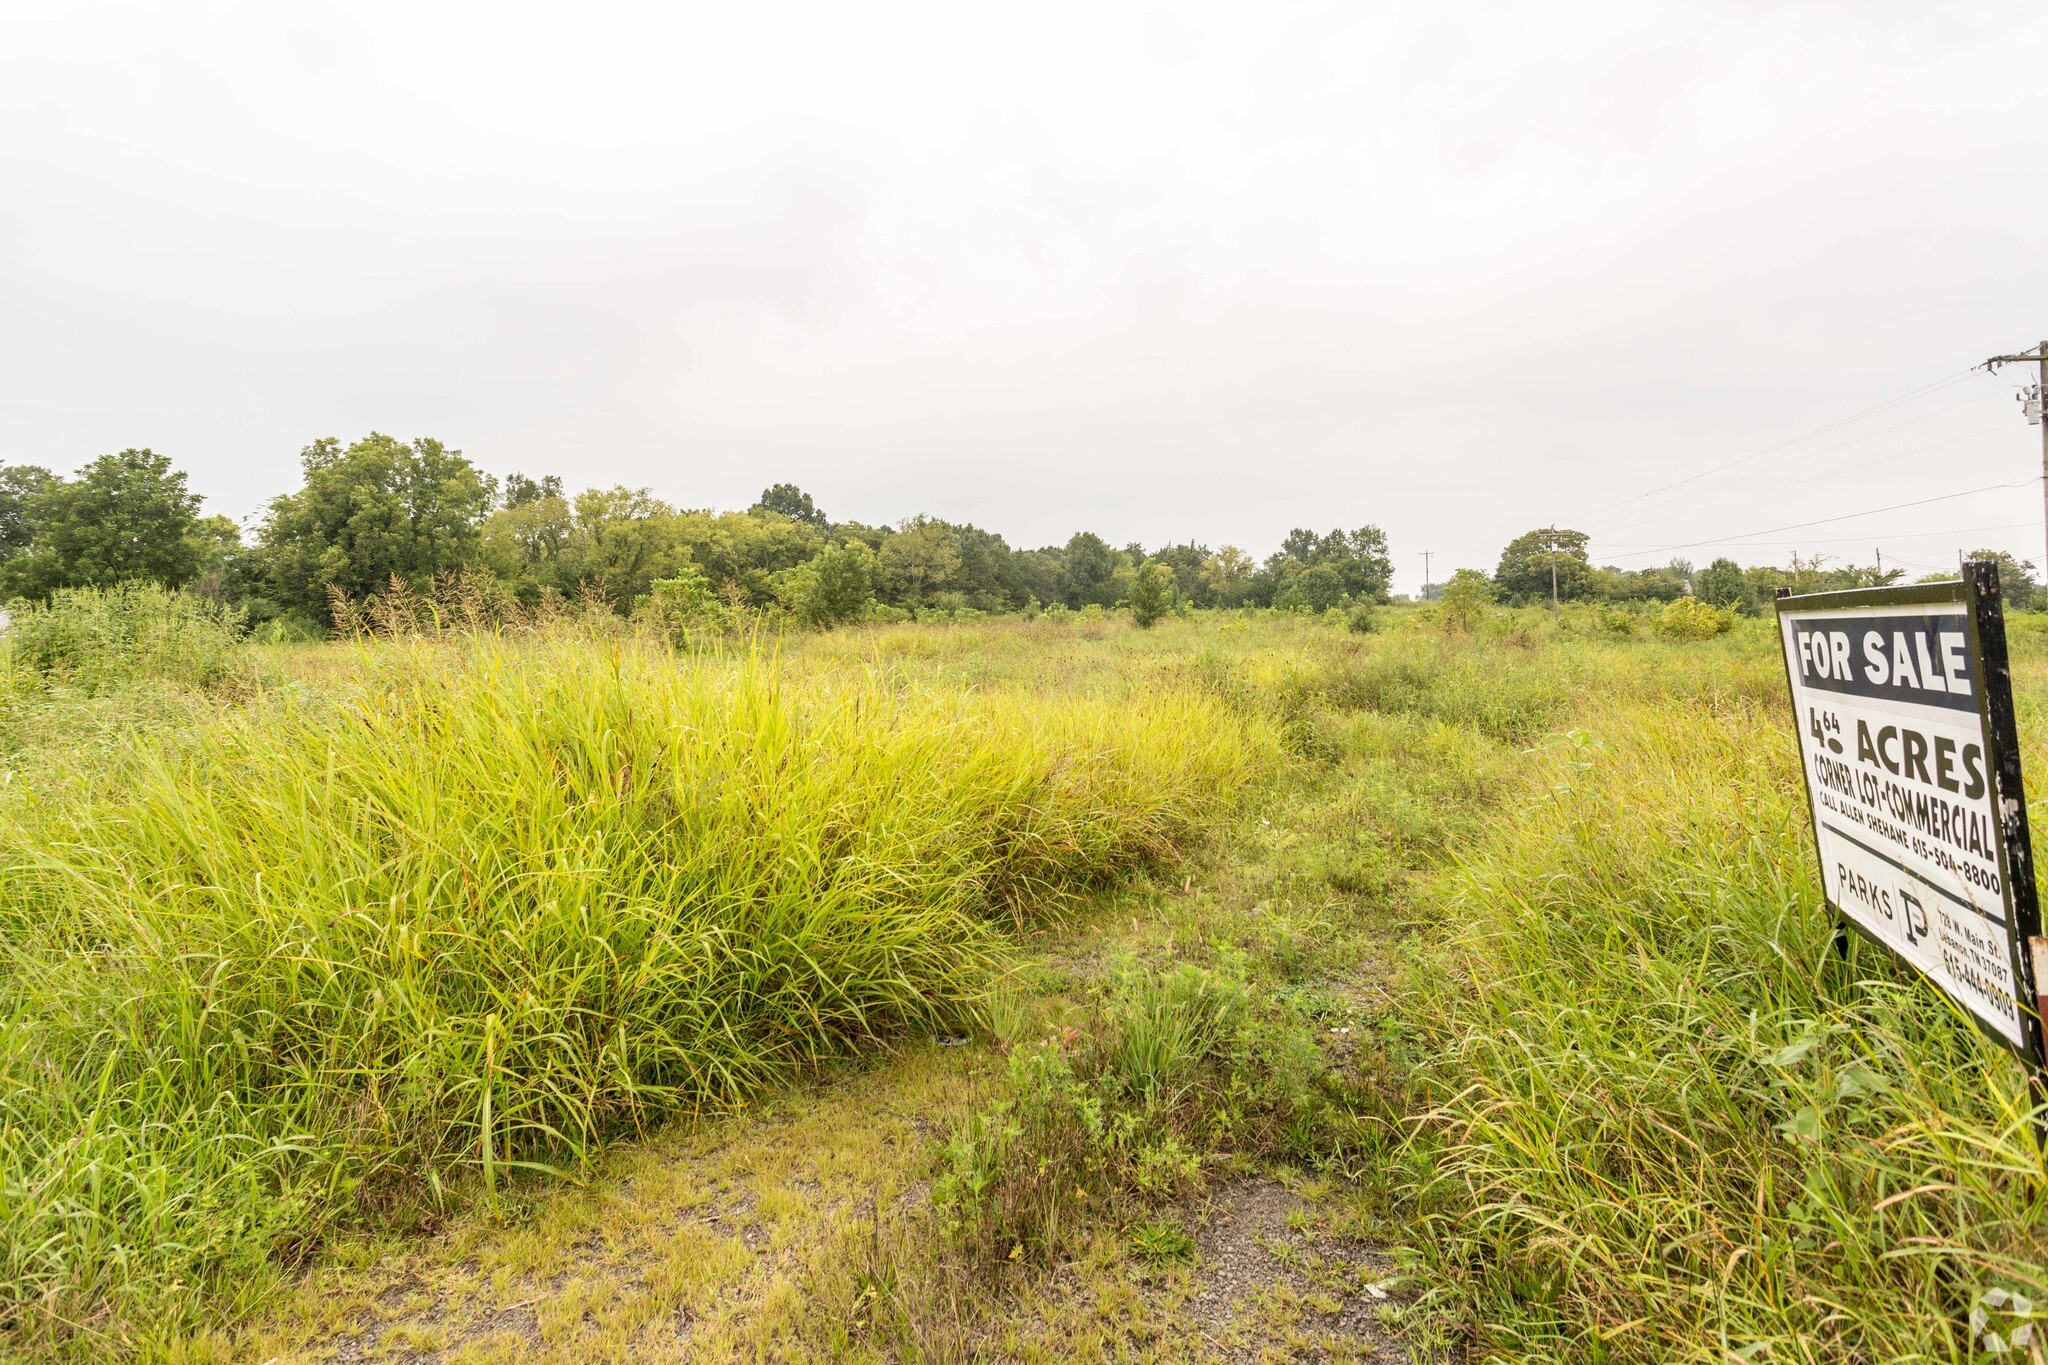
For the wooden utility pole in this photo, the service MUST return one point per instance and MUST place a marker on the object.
(1425, 573)
(1553, 575)
(2037, 357)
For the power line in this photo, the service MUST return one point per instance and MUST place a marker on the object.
(1888, 537)
(1827, 521)
(1842, 445)
(1826, 474)
(1817, 431)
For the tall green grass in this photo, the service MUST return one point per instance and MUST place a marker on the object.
(482, 906)
(99, 640)
(1664, 1121)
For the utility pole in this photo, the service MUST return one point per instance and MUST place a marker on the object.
(1880, 563)
(2038, 357)
(1553, 575)
(1425, 573)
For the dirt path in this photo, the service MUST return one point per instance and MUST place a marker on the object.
(801, 1229)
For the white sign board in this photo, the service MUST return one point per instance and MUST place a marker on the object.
(1903, 772)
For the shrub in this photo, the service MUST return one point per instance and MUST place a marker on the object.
(1688, 618)
(1466, 599)
(1362, 619)
(683, 606)
(1096, 1121)
(100, 639)
(1151, 593)
(1614, 621)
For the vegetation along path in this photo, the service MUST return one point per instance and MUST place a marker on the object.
(1248, 988)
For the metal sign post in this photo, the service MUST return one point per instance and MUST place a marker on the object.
(1902, 700)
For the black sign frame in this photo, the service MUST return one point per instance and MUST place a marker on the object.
(1984, 614)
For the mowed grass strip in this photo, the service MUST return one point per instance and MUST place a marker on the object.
(488, 904)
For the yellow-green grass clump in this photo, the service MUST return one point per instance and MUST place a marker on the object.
(1670, 1122)
(484, 905)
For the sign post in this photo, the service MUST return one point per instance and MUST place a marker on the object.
(1902, 700)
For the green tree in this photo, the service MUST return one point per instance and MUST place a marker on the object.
(1152, 590)
(2016, 582)
(786, 499)
(1357, 560)
(1526, 564)
(1186, 561)
(525, 542)
(744, 552)
(1465, 599)
(1088, 567)
(1316, 587)
(380, 509)
(1038, 575)
(520, 490)
(919, 562)
(19, 484)
(1227, 575)
(622, 540)
(1721, 584)
(836, 587)
(123, 518)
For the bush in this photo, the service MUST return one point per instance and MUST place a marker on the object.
(1151, 593)
(1362, 619)
(1688, 618)
(681, 607)
(1096, 1121)
(1614, 621)
(101, 639)
(1466, 599)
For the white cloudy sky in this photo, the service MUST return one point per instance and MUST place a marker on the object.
(1198, 270)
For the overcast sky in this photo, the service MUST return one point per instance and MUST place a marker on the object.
(1206, 271)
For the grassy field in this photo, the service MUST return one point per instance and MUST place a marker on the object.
(560, 996)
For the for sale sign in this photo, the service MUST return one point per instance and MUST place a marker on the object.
(1904, 710)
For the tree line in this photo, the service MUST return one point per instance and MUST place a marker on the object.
(383, 509)
(1553, 558)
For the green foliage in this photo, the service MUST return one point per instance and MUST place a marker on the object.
(491, 903)
(1152, 592)
(1314, 588)
(1528, 561)
(1089, 571)
(1465, 600)
(1315, 573)
(520, 490)
(1088, 1123)
(1689, 618)
(525, 542)
(1614, 622)
(618, 543)
(1362, 619)
(787, 500)
(1656, 1096)
(836, 587)
(919, 562)
(1721, 584)
(2016, 581)
(1162, 1239)
(19, 485)
(122, 518)
(100, 639)
(682, 607)
(1227, 575)
(380, 510)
